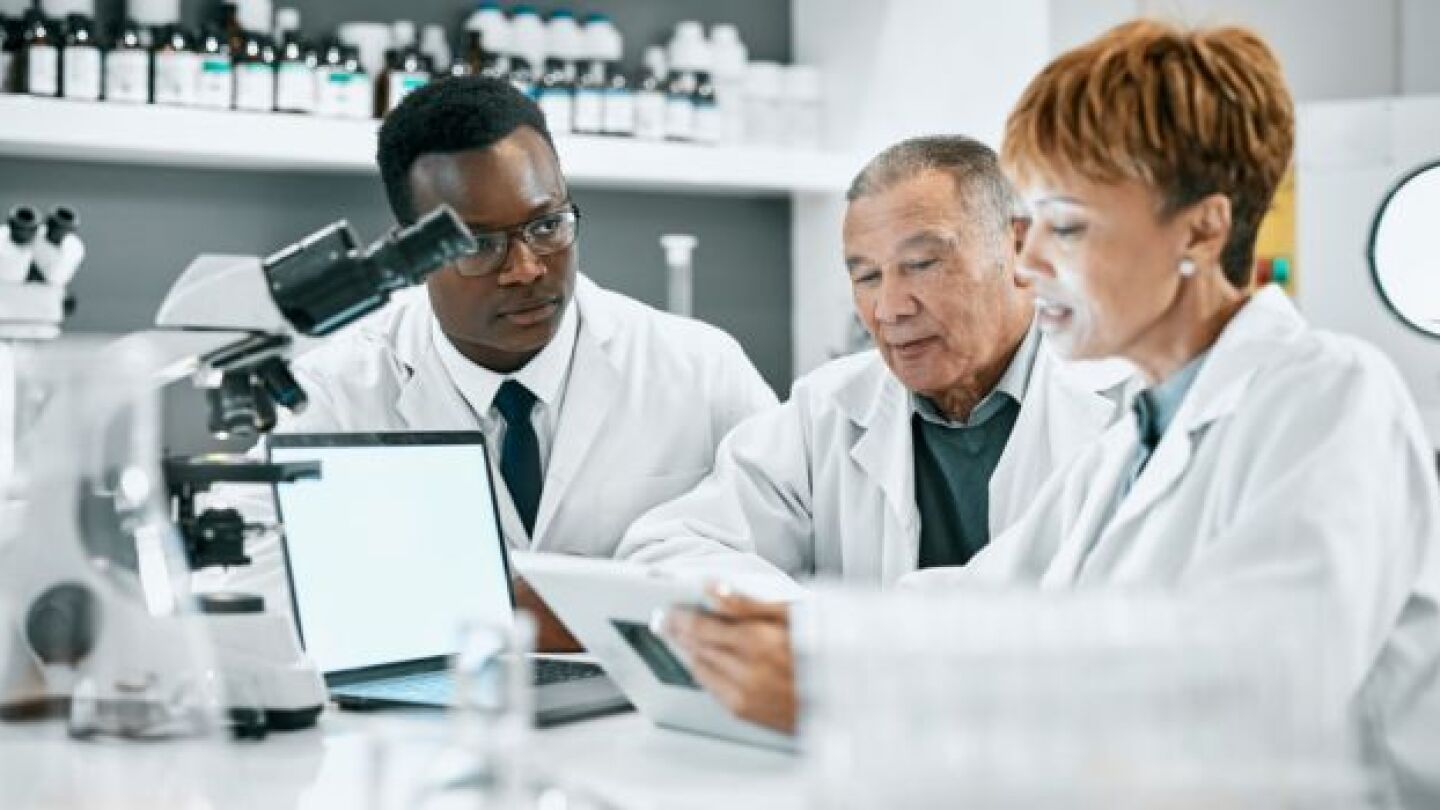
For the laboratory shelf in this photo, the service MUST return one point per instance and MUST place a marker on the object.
(223, 139)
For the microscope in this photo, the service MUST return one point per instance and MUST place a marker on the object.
(229, 325)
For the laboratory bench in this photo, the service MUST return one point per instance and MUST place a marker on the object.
(366, 760)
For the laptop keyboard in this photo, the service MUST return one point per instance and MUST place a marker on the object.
(435, 688)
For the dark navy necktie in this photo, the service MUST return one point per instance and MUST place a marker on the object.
(520, 456)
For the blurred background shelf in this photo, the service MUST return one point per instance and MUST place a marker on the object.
(224, 139)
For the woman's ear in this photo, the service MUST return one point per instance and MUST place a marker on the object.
(1209, 227)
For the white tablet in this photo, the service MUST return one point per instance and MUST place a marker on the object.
(608, 605)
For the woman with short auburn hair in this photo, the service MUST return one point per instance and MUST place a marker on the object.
(1263, 456)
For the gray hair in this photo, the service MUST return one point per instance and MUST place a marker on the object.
(974, 166)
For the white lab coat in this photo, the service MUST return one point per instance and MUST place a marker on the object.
(1296, 464)
(824, 485)
(650, 395)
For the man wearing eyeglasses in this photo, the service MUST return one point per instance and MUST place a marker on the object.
(596, 406)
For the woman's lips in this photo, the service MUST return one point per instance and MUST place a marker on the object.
(1053, 315)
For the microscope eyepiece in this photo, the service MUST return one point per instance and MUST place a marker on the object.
(24, 223)
(61, 223)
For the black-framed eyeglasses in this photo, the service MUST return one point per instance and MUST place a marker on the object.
(544, 235)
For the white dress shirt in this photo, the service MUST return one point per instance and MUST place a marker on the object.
(546, 376)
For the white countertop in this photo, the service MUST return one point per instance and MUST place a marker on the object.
(621, 759)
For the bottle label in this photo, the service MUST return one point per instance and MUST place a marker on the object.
(43, 70)
(82, 73)
(254, 87)
(590, 110)
(650, 116)
(362, 97)
(177, 74)
(295, 87)
(127, 77)
(707, 123)
(619, 112)
(559, 109)
(332, 91)
(679, 118)
(403, 84)
(216, 88)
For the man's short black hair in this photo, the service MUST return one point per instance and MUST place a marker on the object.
(450, 115)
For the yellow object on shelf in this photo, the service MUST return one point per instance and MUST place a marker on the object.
(1275, 245)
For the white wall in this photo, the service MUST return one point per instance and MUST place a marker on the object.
(1419, 25)
(1350, 154)
(1331, 49)
(896, 69)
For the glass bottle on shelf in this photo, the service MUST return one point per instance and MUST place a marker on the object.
(255, 74)
(408, 70)
(650, 97)
(216, 87)
(590, 98)
(127, 65)
(521, 75)
(361, 98)
(295, 65)
(556, 97)
(707, 111)
(9, 43)
(40, 49)
(176, 67)
(81, 69)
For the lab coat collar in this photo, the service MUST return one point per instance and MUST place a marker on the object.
(1234, 358)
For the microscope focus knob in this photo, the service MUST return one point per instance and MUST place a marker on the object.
(62, 624)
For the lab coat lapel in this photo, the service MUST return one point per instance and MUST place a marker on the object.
(428, 399)
(1216, 393)
(592, 391)
(880, 408)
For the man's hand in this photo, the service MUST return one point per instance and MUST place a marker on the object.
(739, 649)
(550, 635)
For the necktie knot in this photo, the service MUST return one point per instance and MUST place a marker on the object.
(515, 402)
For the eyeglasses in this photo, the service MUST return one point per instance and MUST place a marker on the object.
(544, 235)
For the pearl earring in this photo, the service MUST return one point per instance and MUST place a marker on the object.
(1187, 267)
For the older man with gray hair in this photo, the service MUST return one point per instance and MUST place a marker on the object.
(915, 453)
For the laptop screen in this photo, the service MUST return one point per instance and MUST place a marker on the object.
(394, 545)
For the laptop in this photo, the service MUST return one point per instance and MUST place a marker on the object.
(388, 552)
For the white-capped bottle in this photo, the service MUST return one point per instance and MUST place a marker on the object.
(127, 66)
(605, 48)
(527, 38)
(493, 26)
(564, 41)
(765, 122)
(556, 97)
(728, 57)
(361, 98)
(687, 57)
(803, 109)
(650, 96)
(435, 45)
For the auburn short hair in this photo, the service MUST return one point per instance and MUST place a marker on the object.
(1187, 112)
